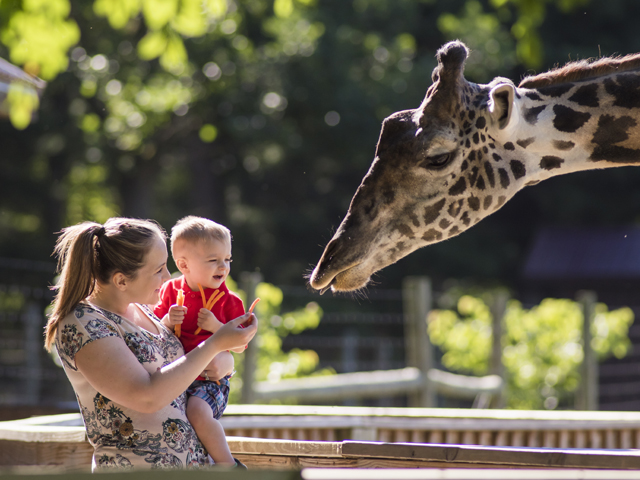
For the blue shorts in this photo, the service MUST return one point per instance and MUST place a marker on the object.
(215, 395)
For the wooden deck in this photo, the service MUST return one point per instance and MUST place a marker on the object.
(59, 442)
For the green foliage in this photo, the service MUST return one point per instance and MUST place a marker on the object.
(272, 363)
(542, 349)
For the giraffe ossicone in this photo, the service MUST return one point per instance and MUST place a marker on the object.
(468, 148)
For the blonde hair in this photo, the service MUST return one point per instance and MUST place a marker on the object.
(196, 229)
(89, 253)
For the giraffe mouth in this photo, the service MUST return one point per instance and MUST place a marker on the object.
(352, 277)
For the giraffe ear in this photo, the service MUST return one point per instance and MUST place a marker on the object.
(502, 105)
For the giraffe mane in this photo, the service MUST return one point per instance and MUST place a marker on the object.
(582, 70)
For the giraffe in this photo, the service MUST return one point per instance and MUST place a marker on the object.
(468, 148)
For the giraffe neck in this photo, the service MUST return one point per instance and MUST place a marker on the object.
(577, 126)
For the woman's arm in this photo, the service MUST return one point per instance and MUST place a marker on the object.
(114, 371)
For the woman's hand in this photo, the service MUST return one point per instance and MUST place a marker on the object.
(237, 333)
(221, 366)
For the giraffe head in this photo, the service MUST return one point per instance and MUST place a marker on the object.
(437, 171)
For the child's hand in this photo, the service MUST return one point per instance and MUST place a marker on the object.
(175, 316)
(221, 366)
(208, 321)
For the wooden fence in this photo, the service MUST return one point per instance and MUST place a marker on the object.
(357, 437)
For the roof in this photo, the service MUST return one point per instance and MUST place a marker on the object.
(580, 253)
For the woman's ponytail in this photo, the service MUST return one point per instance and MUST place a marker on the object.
(77, 265)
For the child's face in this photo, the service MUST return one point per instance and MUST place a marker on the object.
(208, 264)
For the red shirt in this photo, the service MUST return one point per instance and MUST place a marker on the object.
(228, 308)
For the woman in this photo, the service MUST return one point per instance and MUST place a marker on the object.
(129, 372)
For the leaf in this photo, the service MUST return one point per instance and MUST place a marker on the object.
(174, 57)
(283, 8)
(118, 12)
(152, 45)
(216, 8)
(157, 13)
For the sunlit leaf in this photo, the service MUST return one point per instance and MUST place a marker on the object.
(152, 45)
(157, 13)
(283, 8)
(118, 12)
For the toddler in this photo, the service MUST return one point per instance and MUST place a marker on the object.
(196, 305)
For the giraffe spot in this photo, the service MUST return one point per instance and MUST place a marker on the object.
(569, 120)
(485, 150)
(625, 90)
(504, 178)
(533, 96)
(480, 183)
(465, 219)
(501, 201)
(460, 134)
(472, 156)
(549, 162)
(481, 123)
(473, 176)
(476, 138)
(480, 155)
(490, 175)
(586, 96)
(483, 138)
(556, 90)
(459, 187)
(474, 203)
(492, 145)
(444, 224)
(466, 125)
(432, 235)
(432, 212)
(454, 231)
(414, 219)
(487, 202)
(532, 183)
(497, 157)
(509, 146)
(562, 145)
(467, 143)
(518, 169)
(531, 114)
(405, 230)
(610, 131)
(464, 166)
(455, 207)
(472, 115)
(526, 142)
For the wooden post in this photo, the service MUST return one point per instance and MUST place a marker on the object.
(587, 394)
(417, 302)
(498, 309)
(249, 281)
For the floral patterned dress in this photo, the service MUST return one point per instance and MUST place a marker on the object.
(122, 437)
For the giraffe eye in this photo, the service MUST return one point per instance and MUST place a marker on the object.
(438, 161)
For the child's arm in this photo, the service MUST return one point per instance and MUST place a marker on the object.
(208, 321)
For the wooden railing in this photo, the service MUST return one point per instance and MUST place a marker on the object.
(552, 429)
(294, 437)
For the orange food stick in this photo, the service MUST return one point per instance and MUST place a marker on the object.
(204, 299)
(253, 305)
(179, 302)
(215, 296)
